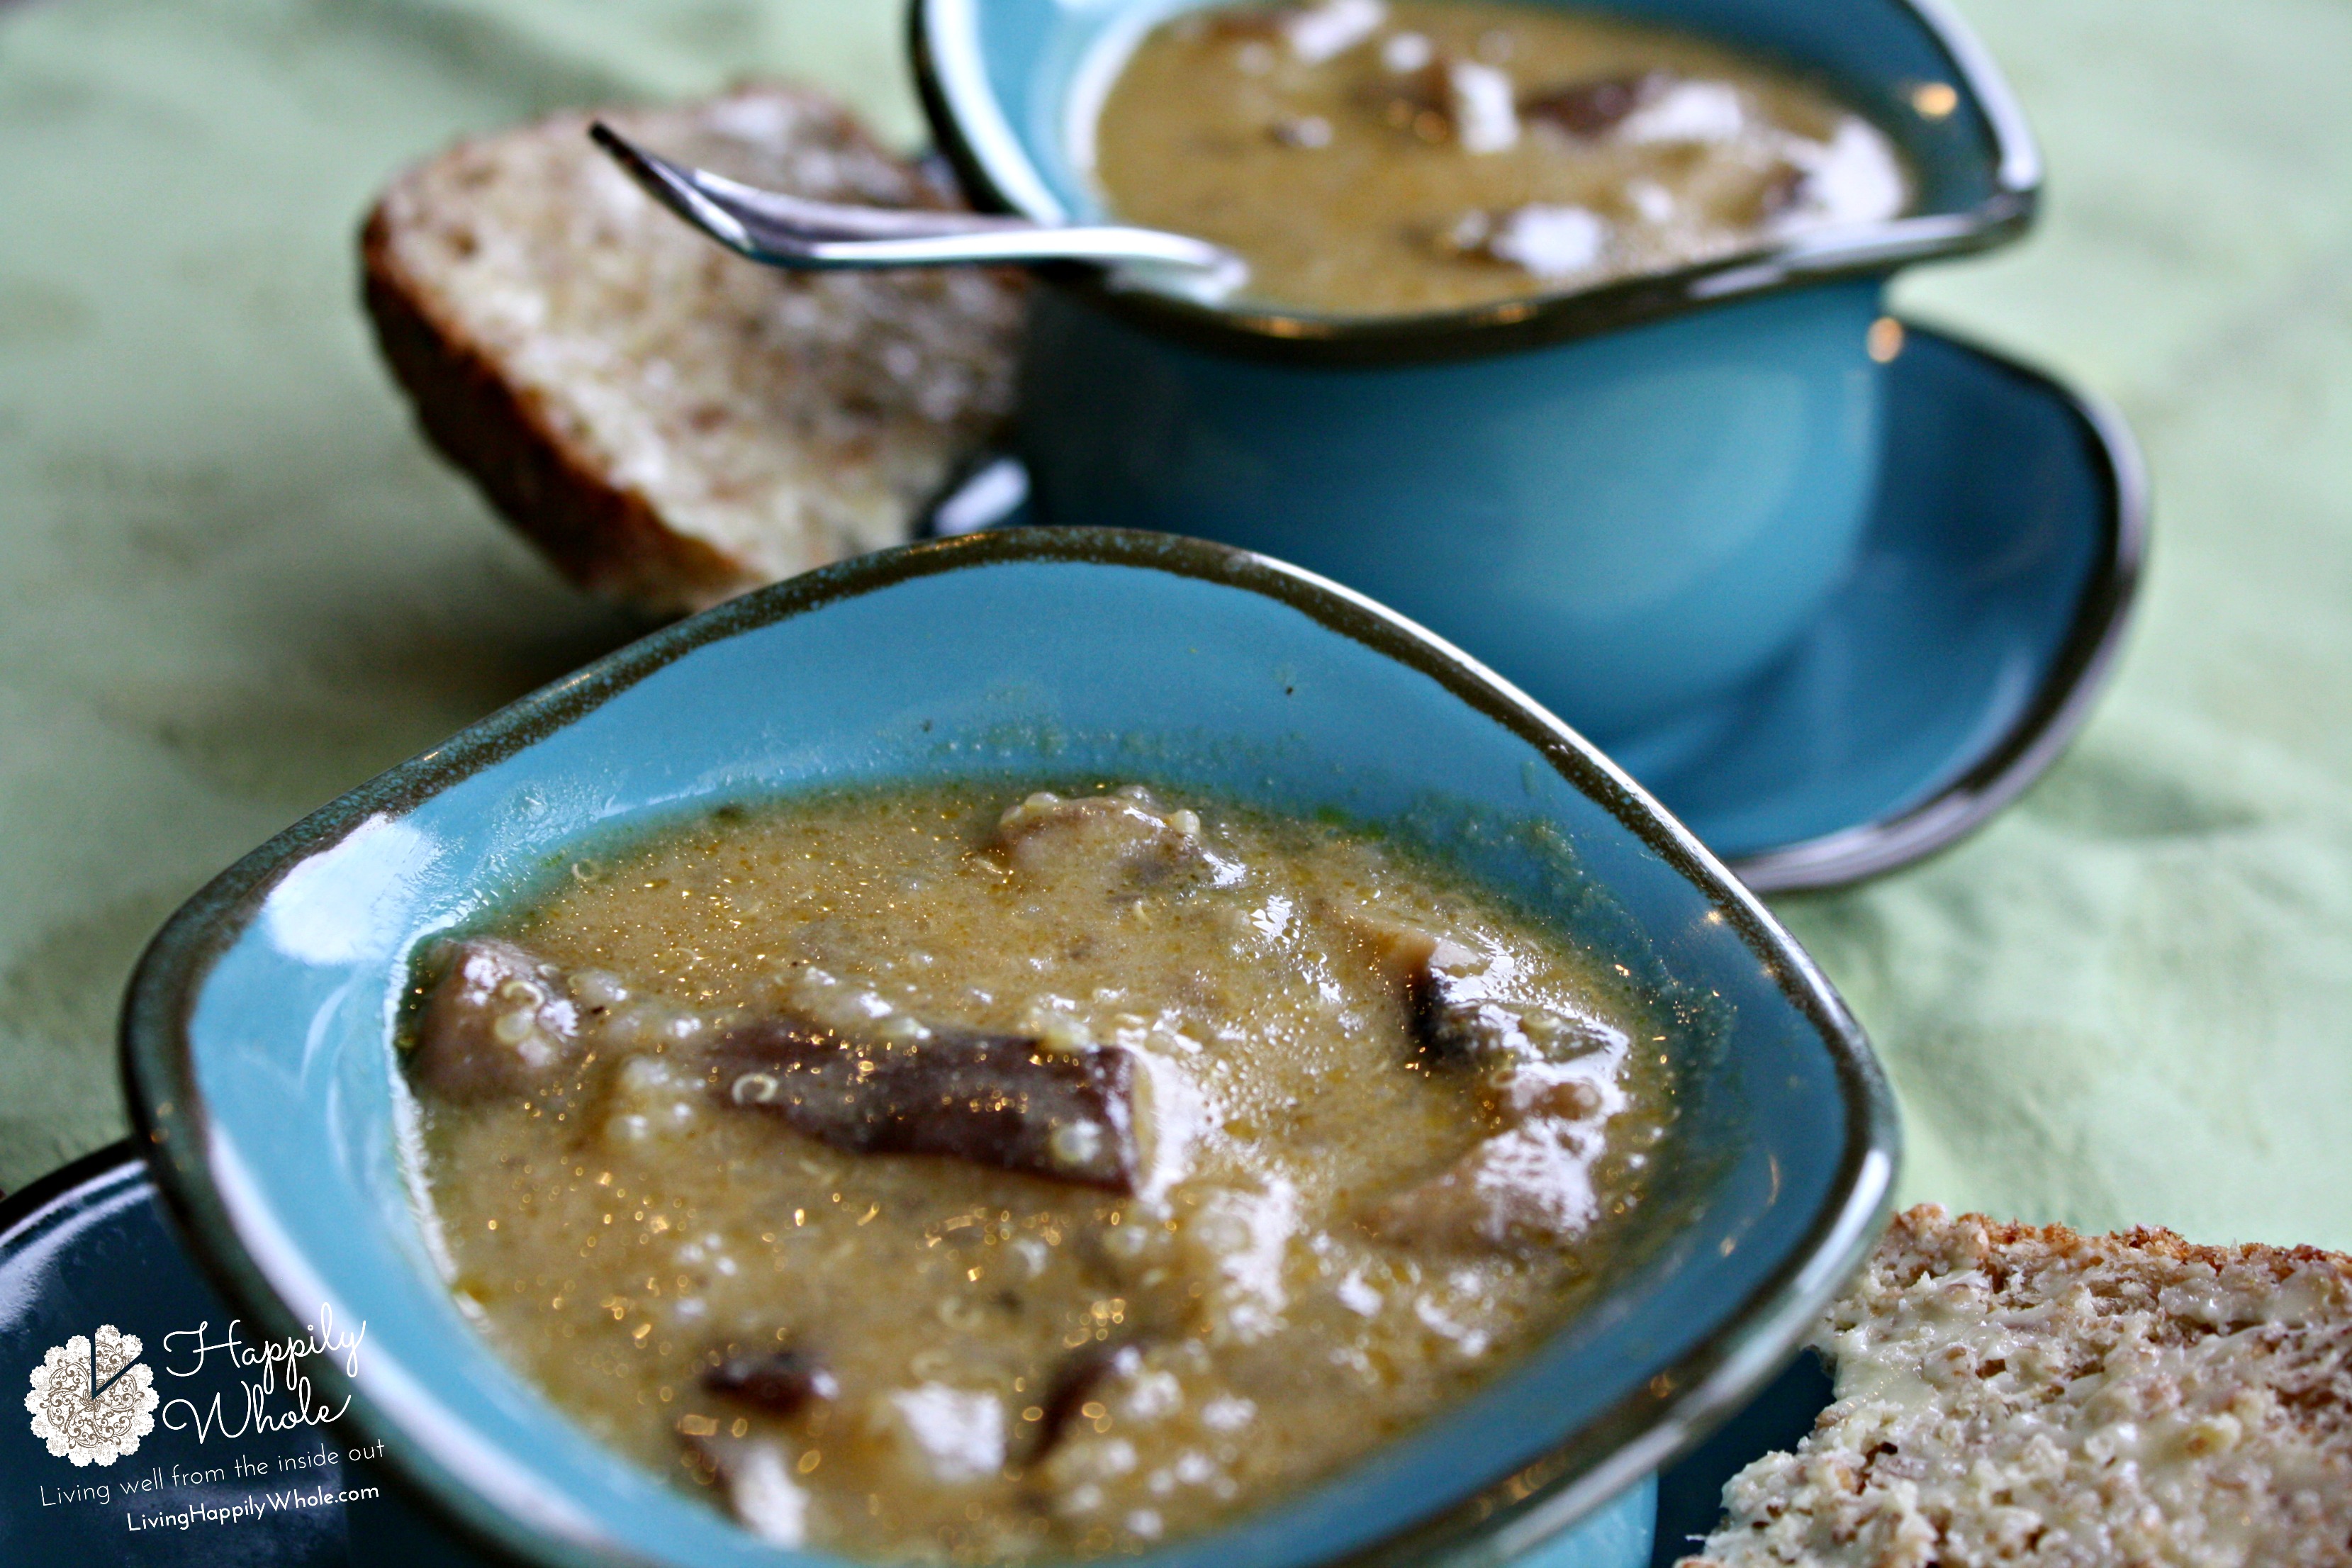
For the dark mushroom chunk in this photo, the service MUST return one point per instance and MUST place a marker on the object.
(499, 1022)
(1456, 1019)
(1592, 109)
(1453, 1018)
(780, 1382)
(1004, 1100)
(1074, 1381)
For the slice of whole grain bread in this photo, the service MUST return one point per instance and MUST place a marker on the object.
(671, 424)
(2008, 1395)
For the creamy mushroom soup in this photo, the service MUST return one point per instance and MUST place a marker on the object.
(941, 1174)
(1375, 158)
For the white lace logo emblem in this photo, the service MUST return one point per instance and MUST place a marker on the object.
(93, 1398)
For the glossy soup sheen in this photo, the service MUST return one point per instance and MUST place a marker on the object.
(1261, 1140)
(1370, 157)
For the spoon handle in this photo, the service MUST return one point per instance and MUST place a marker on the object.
(778, 230)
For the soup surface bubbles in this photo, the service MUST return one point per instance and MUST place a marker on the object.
(1375, 157)
(957, 1175)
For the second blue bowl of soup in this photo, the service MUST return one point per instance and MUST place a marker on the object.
(1627, 498)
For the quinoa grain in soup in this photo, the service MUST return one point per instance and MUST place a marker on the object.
(935, 1174)
(1387, 156)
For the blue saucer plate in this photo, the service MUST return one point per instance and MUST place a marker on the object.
(1991, 593)
(87, 1249)
(1982, 618)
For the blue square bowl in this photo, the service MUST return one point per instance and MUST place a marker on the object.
(258, 1034)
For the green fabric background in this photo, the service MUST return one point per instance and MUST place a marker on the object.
(236, 583)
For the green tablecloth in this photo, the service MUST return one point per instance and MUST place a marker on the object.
(236, 583)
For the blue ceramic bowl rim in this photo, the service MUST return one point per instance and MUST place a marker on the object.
(1666, 1414)
(971, 130)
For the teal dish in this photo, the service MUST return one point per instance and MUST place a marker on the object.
(1992, 588)
(1628, 499)
(260, 1063)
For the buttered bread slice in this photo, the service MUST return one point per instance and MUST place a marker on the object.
(2007, 1394)
(673, 425)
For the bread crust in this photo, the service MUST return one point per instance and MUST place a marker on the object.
(606, 539)
(670, 424)
(1925, 1238)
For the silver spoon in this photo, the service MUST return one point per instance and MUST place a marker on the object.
(778, 230)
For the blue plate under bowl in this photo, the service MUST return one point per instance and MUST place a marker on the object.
(258, 1034)
(1994, 584)
(1992, 587)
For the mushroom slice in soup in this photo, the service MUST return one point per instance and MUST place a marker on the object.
(1552, 1080)
(1589, 108)
(1075, 1381)
(1004, 1100)
(499, 1023)
(1455, 1011)
(779, 1383)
